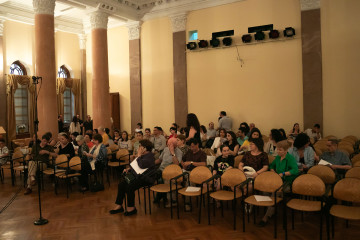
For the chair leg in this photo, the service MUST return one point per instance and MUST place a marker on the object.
(139, 196)
(332, 226)
(222, 208)
(275, 222)
(243, 215)
(67, 188)
(254, 212)
(285, 221)
(234, 209)
(347, 223)
(321, 219)
(201, 198)
(144, 199)
(327, 224)
(208, 203)
(149, 200)
(292, 219)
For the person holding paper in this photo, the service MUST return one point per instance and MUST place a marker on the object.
(337, 158)
(302, 152)
(98, 153)
(142, 171)
(285, 165)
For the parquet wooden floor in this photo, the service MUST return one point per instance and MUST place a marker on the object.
(85, 216)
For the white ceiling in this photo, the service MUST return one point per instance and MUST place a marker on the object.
(73, 15)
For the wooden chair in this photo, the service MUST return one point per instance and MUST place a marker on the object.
(198, 176)
(269, 182)
(231, 178)
(352, 137)
(122, 159)
(60, 162)
(307, 185)
(75, 165)
(114, 147)
(325, 173)
(353, 173)
(357, 164)
(348, 190)
(348, 149)
(355, 159)
(168, 174)
(16, 159)
(238, 160)
(350, 141)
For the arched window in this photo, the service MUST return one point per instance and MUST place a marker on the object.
(69, 100)
(20, 100)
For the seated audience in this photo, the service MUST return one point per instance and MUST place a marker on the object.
(314, 132)
(294, 131)
(285, 165)
(139, 137)
(85, 165)
(116, 137)
(158, 141)
(4, 152)
(283, 133)
(171, 155)
(75, 125)
(232, 143)
(88, 137)
(97, 155)
(255, 158)
(275, 136)
(224, 161)
(125, 142)
(338, 159)
(145, 160)
(42, 154)
(60, 123)
(225, 121)
(173, 132)
(73, 139)
(242, 136)
(52, 142)
(211, 132)
(88, 124)
(203, 135)
(147, 134)
(246, 126)
(255, 133)
(219, 140)
(65, 146)
(302, 152)
(181, 144)
(104, 135)
(194, 157)
(251, 126)
(139, 127)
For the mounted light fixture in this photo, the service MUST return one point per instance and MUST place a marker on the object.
(289, 32)
(227, 41)
(191, 45)
(215, 42)
(203, 44)
(274, 34)
(259, 36)
(246, 38)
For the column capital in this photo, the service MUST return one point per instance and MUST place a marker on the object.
(178, 22)
(134, 29)
(309, 4)
(82, 41)
(1, 27)
(44, 6)
(99, 19)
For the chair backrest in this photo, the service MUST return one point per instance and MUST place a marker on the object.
(232, 177)
(348, 141)
(353, 173)
(347, 189)
(268, 182)
(200, 174)
(75, 163)
(357, 164)
(352, 137)
(237, 160)
(330, 137)
(324, 172)
(172, 171)
(108, 153)
(309, 185)
(355, 159)
(61, 161)
(17, 156)
(122, 154)
(113, 147)
(209, 152)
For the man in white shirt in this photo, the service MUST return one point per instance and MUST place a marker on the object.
(314, 132)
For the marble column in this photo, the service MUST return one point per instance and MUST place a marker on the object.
(3, 121)
(135, 73)
(312, 62)
(45, 65)
(180, 69)
(100, 67)
(82, 43)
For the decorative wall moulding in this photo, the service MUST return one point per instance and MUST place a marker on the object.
(134, 30)
(178, 22)
(99, 19)
(44, 6)
(309, 4)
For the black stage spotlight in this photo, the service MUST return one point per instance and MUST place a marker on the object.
(203, 44)
(191, 45)
(227, 41)
(289, 32)
(246, 38)
(215, 42)
(259, 36)
(274, 34)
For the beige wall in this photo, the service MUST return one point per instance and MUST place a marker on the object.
(267, 88)
(19, 44)
(341, 66)
(119, 76)
(67, 51)
(157, 73)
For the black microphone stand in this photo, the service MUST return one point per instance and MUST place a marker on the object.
(41, 220)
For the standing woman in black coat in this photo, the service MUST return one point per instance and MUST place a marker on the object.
(145, 159)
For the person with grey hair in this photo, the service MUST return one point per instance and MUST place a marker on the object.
(104, 135)
(337, 158)
(85, 165)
